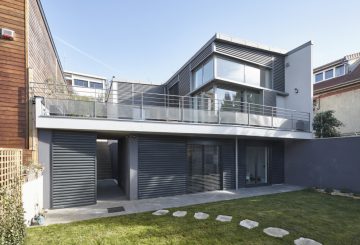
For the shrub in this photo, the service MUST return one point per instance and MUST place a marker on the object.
(326, 124)
(12, 226)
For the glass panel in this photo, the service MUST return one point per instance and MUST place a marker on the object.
(208, 73)
(211, 168)
(329, 74)
(197, 78)
(195, 168)
(256, 165)
(80, 83)
(339, 70)
(266, 78)
(319, 77)
(204, 168)
(230, 70)
(252, 75)
(96, 85)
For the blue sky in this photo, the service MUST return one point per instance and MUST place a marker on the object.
(148, 41)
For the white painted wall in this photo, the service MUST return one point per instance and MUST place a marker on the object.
(298, 75)
(32, 194)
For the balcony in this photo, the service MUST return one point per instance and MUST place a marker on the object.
(151, 107)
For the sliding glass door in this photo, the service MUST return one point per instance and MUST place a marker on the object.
(256, 165)
(204, 168)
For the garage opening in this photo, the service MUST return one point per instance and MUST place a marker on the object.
(109, 170)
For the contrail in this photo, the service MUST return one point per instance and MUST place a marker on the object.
(86, 54)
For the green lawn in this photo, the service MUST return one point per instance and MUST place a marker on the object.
(327, 219)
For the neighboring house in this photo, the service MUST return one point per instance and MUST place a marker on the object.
(27, 58)
(337, 87)
(86, 85)
(220, 122)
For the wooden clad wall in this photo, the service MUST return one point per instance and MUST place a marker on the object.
(43, 59)
(13, 102)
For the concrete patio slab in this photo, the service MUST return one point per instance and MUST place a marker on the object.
(98, 210)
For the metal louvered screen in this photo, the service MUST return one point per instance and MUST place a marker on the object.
(162, 167)
(73, 170)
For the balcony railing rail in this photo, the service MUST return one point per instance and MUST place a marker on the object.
(141, 106)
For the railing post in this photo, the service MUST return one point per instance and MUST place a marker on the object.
(218, 111)
(248, 113)
(179, 108)
(142, 106)
(272, 117)
(292, 121)
(183, 109)
(95, 107)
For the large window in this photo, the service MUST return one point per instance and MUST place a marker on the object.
(204, 167)
(203, 74)
(81, 83)
(256, 165)
(243, 73)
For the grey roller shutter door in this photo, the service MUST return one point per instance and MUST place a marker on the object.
(73, 169)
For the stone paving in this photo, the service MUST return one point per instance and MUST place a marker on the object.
(246, 223)
(276, 232)
(201, 215)
(223, 218)
(249, 224)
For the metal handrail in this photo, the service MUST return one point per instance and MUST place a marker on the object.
(151, 105)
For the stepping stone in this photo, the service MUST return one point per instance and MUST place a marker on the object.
(275, 232)
(249, 224)
(306, 241)
(200, 215)
(224, 218)
(179, 213)
(160, 212)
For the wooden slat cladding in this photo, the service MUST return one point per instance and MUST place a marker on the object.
(42, 55)
(13, 76)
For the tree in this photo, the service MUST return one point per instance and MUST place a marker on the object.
(326, 124)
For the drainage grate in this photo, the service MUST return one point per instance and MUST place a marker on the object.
(116, 209)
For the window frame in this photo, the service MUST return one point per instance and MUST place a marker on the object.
(329, 70)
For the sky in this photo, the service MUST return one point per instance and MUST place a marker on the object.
(149, 40)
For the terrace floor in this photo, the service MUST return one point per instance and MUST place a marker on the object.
(98, 210)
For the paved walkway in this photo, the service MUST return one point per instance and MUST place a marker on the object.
(98, 210)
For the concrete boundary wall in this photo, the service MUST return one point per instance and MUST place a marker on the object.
(332, 163)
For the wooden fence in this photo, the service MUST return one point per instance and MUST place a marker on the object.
(10, 166)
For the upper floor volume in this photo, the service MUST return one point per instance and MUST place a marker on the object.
(233, 69)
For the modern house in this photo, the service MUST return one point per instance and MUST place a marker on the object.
(220, 122)
(337, 88)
